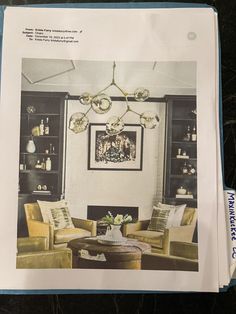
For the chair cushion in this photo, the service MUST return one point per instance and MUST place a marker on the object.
(154, 238)
(65, 235)
(159, 219)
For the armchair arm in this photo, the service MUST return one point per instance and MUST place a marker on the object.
(32, 244)
(180, 234)
(184, 249)
(89, 225)
(45, 259)
(41, 229)
(136, 226)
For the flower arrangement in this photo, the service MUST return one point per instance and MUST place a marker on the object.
(117, 220)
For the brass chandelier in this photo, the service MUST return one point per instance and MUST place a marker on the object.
(101, 103)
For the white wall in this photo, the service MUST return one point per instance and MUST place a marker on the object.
(122, 188)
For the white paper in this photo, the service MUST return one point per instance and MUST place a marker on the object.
(147, 35)
(223, 245)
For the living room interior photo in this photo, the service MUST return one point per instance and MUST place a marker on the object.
(106, 144)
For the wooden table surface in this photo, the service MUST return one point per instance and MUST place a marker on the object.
(88, 253)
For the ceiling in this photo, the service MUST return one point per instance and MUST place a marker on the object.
(80, 76)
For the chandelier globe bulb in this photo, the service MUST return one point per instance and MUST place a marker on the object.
(141, 94)
(86, 99)
(149, 120)
(101, 103)
(78, 122)
(114, 125)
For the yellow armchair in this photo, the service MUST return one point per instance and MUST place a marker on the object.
(33, 253)
(160, 241)
(56, 238)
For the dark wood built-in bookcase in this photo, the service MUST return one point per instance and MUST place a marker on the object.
(181, 151)
(36, 183)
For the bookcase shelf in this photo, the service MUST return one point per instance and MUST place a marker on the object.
(41, 114)
(183, 119)
(184, 159)
(183, 176)
(35, 107)
(181, 124)
(184, 143)
(35, 154)
(40, 171)
(43, 137)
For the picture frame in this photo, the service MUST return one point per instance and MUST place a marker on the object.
(123, 151)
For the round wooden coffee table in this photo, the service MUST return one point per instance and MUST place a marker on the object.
(88, 253)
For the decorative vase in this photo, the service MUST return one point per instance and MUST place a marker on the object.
(115, 233)
(30, 147)
(181, 191)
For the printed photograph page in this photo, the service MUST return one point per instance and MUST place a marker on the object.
(110, 165)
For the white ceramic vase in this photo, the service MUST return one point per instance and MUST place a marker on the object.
(30, 147)
(115, 233)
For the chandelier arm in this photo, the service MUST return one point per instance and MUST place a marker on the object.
(121, 90)
(88, 110)
(130, 94)
(113, 72)
(112, 82)
(134, 112)
(127, 110)
(127, 103)
(103, 90)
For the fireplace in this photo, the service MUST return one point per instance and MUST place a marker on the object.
(96, 212)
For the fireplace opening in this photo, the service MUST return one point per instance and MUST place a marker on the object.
(95, 212)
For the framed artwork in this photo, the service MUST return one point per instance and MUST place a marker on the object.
(123, 151)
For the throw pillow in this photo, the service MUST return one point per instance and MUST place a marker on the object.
(45, 208)
(188, 216)
(60, 218)
(177, 212)
(159, 219)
